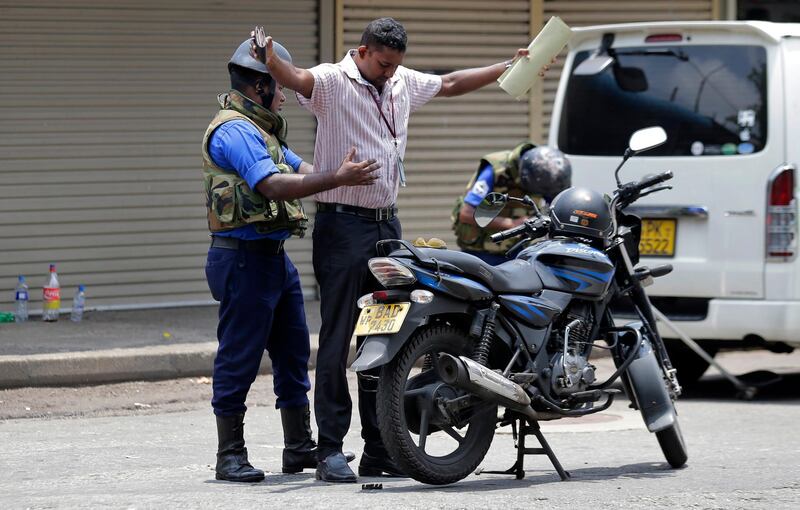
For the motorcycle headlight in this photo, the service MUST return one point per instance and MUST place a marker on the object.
(391, 273)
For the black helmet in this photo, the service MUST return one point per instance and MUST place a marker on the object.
(580, 212)
(242, 58)
(544, 171)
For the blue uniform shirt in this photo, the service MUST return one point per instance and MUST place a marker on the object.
(238, 146)
(484, 185)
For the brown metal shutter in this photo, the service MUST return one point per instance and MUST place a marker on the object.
(449, 135)
(577, 13)
(102, 110)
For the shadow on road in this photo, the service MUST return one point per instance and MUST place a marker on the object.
(717, 387)
(645, 470)
(277, 482)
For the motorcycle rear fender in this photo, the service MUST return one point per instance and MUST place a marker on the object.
(649, 389)
(377, 350)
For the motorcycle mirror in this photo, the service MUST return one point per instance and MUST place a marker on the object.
(647, 138)
(489, 208)
(641, 140)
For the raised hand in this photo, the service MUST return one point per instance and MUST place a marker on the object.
(260, 45)
(362, 173)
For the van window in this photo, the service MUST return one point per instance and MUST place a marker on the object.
(711, 100)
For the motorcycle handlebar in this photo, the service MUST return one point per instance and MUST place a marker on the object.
(653, 180)
(535, 228)
(512, 232)
(630, 192)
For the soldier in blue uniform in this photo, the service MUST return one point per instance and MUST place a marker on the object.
(253, 183)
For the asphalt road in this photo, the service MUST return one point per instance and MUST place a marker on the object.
(151, 445)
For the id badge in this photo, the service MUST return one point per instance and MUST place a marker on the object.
(400, 167)
(402, 171)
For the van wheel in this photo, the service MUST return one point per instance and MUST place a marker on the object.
(690, 366)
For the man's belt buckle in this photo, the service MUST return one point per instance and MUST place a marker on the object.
(383, 214)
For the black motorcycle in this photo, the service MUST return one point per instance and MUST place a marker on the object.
(453, 338)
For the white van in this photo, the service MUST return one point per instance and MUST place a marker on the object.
(728, 95)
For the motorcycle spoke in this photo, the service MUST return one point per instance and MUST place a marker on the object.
(423, 429)
(452, 433)
(415, 392)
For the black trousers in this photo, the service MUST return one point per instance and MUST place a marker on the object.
(343, 244)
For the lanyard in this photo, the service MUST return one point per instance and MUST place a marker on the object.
(393, 131)
(391, 128)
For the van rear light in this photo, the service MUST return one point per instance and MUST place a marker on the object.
(781, 215)
(662, 38)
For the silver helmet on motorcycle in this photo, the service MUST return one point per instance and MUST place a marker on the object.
(545, 171)
(580, 212)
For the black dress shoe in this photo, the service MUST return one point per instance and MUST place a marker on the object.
(379, 466)
(334, 469)
(294, 461)
(300, 450)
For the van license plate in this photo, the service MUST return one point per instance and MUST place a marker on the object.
(658, 237)
(381, 319)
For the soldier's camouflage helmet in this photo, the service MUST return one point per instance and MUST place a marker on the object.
(241, 57)
(545, 171)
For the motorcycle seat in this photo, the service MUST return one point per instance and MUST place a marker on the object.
(513, 277)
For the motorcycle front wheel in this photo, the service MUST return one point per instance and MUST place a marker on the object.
(431, 444)
(672, 445)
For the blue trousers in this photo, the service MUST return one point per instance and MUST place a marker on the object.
(261, 307)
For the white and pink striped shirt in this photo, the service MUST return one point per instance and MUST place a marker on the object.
(348, 115)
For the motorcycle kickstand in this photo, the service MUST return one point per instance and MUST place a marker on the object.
(525, 429)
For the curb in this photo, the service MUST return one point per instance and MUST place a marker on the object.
(118, 365)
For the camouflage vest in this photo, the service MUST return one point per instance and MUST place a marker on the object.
(230, 202)
(505, 165)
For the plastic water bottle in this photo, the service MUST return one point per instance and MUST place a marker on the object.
(78, 303)
(21, 297)
(51, 297)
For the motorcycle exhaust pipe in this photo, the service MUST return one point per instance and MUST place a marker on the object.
(487, 384)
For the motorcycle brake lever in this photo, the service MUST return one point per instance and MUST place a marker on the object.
(654, 190)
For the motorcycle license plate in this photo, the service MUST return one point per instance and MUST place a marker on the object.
(381, 319)
(658, 237)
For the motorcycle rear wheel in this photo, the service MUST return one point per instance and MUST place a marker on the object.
(672, 445)
(400, 415)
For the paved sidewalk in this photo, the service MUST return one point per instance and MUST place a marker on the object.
(114, 346)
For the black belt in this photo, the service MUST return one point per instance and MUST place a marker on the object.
(384, 213)
(266, 246)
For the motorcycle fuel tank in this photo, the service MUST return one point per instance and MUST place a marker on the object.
(568, 266)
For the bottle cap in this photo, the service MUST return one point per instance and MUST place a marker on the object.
(52, 268)
(81, 288)
(21, 279)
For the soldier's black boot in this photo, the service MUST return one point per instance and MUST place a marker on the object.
(232, 463)
(300, 450)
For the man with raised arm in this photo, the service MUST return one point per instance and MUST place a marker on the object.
(362, 101)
